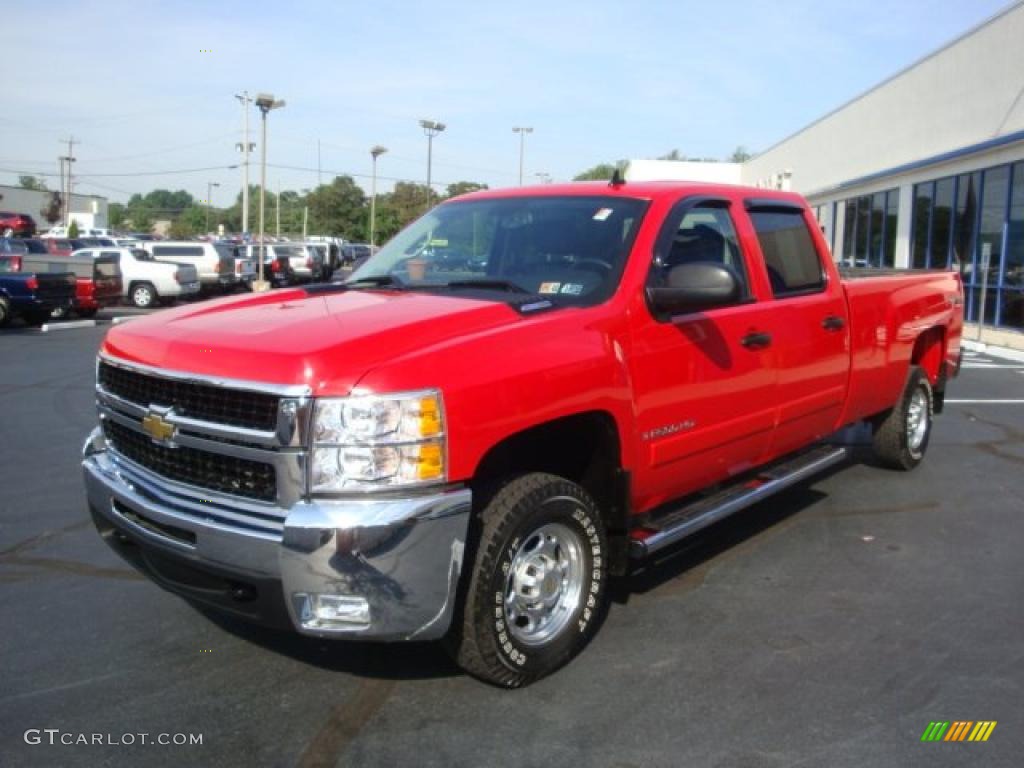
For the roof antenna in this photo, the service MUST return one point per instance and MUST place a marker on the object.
(617, 180)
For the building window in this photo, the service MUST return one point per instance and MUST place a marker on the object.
(869, 236)
(1013, 261)
(922, 224)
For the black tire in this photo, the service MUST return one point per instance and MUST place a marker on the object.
(37, 318)
(897, 444)
(528, 514)
(5, 312)
(143, 295)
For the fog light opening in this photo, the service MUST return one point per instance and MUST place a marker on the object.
(325, 611)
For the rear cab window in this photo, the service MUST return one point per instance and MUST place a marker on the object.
(791, 258)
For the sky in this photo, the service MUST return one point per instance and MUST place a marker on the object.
(147, 87)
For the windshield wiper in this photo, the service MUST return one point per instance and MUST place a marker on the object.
(488, 283)
(376, 281)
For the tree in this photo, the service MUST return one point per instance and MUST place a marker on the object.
(116, 213)
(73, 229)
(673, 155)
(463, 188)
(32, 182)
(339, 208)
(740, 155)
(52, 209)
(406, 202)
(600, 172)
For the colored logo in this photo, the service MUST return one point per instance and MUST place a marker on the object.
(958, 730)
(161, 431)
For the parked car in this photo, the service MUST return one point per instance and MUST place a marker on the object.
(353, 252)
(329, 258)
(97, 281)
(245, 267)
(146, 281)
(82, 232)
(31, 244)
(214, 263)
(277, 268)
(17, 224)
(30, 294)
(374, 459)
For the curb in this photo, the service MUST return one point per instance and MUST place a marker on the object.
(1004, 352)
(65, 326)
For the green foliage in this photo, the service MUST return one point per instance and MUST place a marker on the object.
(463, 188)
(673, 155)
(116, 214)
(32, 182)
(600, 172)
(73, 229)
(740, 155)
(51, 210)
(339, 208)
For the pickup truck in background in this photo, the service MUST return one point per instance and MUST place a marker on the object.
(430, 451)
(146, 281)
(215, 263)
(97, 281)
(29, 295)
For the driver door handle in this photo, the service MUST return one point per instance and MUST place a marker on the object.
(833, 323)
(756, 340)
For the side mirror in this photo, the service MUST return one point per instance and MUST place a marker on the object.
(695, 287)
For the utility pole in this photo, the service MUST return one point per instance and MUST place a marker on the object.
(278, 207)
(375, 152)
(522, 146)
(305, 221)
(69, 159)
(209, 201)
(430, 128)
(265, 102)
(246, 147)
(319, 175)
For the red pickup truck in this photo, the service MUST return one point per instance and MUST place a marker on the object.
(519, 395)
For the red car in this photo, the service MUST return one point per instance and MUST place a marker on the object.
(467, 448)
(20, 224)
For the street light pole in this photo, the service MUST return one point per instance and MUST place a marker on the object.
(246, 148)
(375, 152)
(522, 131)
(431, 128)
(265, 102)
(209, 201)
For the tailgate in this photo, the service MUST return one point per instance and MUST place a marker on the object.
(55, 288)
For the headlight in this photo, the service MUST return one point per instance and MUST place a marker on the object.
(378, 441)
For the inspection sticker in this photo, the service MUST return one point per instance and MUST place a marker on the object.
(602, 214)
(549, 288)
(573, 289)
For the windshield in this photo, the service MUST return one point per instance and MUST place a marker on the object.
(570, 249)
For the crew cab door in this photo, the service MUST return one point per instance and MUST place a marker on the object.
(809, 323)
(704, 382)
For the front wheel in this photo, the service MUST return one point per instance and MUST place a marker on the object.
(143, 295)
(901, 437)
(537, 587)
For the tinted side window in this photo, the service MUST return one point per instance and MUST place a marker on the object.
(703, 234)
(789, 252)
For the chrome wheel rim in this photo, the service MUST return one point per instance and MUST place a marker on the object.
(142, 297)
(917, 420)
(545, 584)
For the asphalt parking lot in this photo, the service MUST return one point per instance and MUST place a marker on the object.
(826, 627)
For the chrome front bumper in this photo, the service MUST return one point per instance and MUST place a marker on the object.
(388, 566)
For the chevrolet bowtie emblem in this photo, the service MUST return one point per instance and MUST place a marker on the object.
(154, 425)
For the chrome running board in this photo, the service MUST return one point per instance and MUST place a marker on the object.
(676, 524)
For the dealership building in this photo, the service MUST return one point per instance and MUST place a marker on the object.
(926, 169)
(87, 210)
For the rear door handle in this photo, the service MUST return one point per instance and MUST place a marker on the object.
(756, 340)
(833, 323)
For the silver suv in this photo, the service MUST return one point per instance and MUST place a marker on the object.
(214, 262)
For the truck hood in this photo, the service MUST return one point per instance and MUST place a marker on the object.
(325, 341)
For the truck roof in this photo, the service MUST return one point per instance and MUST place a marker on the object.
(645, 190)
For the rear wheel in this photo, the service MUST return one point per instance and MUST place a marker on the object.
(537, 587)
(901, 437)
(143, 295)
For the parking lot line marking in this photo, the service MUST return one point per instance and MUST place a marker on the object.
(982, 365)
(994, 401)
(47, 327)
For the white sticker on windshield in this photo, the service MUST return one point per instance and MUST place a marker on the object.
(573, 289)
(602, 214)
(548, 288)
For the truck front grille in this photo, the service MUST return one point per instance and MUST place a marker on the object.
(194, 400)
(213, 471)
